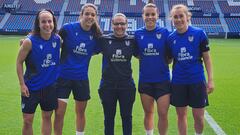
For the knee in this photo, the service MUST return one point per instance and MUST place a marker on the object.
(27, 122)
(163, 113)
(199, 119)
(126, 117)
(149, 114)
(46, 116)
(59, 114)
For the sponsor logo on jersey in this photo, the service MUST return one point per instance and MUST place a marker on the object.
(184, 54)
(174, 41)
(118, 56)
(76, 33)
(142, 37)
(80, 49)
(48, 61)
(150, 50)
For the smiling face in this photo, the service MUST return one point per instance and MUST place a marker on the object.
(88, 17)
(46, 23)
(150, 16)
(119, 25)
(180, 18)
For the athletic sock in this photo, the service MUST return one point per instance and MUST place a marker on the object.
(79, 133)
(149, 132)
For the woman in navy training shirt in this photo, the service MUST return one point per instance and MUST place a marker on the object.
(40, 51)
(117, 83)
(154, 78)
(77, 49)
(188, 46)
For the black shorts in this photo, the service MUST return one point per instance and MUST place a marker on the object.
(194, 95)
(154, 90)
(79, 88)
(46, 97)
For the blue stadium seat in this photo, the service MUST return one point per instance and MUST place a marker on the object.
(228, 9)
(31, 5)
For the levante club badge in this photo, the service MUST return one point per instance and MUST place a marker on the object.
(190, 38)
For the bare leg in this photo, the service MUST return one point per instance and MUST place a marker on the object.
(59, 117)
(182, 120)
(46, 122)
(80, 115)
(148, 107)
(198, 115)
(162, 107)
(27, 124)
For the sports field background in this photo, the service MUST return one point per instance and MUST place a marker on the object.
(224, 102)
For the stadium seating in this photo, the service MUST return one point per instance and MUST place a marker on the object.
(31, 5)
(125, 7)
(68, 19)
(233, 24)
(106, 6)
(24, 22)
(208, 24)
(6, 1)
(206, 6)
(208, 19)
(1, 17)
(174, 2)
(228, 9)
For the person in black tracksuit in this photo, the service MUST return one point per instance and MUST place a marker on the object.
(117, 83)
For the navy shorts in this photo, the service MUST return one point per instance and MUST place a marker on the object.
(194, 95)
(79, 88)
(154, 90)
(46, 97)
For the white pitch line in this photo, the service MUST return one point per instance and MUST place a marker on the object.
(217, 129)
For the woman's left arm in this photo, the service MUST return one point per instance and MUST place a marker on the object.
(208, 65)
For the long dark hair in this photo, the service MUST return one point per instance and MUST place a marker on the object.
(97, 32)
(36, 29)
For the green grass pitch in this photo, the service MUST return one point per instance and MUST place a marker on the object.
(224, 102)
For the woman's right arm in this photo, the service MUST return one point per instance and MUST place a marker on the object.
(23, 52)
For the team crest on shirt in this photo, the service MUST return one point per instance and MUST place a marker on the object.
(127, 43)
(54, 44)
(110, 42)
(41, 47)
(158, 36)
(174, 42)
(190, 38)
(142, 37)
(90, 37)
